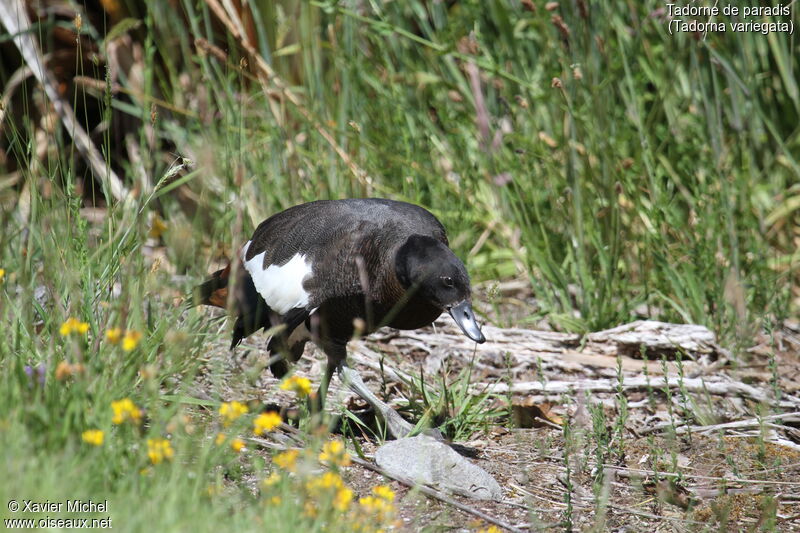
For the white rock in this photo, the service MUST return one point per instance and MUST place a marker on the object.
(427, 461)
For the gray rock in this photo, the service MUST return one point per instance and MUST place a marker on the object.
(427, 461)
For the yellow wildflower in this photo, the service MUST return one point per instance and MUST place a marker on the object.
(64, 370)
(342, 499)
(328, 480)
(131, 340)
(287, 460)
(383, 491)
(275, 500)
(125, 410)
(93, 437)
(220, 439)
(490, 529)
(73, 325)
(237, 445)
(299, 385)
(114, 335)
(310, 509)
(378, 506)
(273, 479)
(266, 422)
(230, 411)
(332, 480)
(159, 450)
(2, 274)
(157, 227)
(368, 502)
(334, 453)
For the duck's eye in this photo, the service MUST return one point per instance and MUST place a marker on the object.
(448, 281)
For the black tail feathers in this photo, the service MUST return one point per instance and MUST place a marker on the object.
(213, 291)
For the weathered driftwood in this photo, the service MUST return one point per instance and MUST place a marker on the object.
(603, 351)
(654, 338)
(656, 383)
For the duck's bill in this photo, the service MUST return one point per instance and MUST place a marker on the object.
(465, 318)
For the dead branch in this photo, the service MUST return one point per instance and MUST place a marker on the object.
(638, 383)
(15, 19)
(642, 473)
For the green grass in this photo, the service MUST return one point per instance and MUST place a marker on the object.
(657, 174)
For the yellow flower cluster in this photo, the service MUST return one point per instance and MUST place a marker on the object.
(125, 410)
(299, 385)
(114, 335)
(65, 370)
(384, 492)
(266, 422)
(237, 444)
(130, 340)
(325, 493)
(159, 450)
(328, 480)
(157, 227)
(273, 479)
(327, 484)
(490, 529)
(379, 504)
(287, 460)
(342, 499)
(93, 437)
(334, 454)
(2, 274)
(73, 325)
(230, 411)
(328, 487)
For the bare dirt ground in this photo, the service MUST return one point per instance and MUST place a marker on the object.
(690, 438)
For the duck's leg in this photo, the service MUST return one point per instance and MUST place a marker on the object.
(395, 424)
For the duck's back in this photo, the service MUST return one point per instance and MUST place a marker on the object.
(317, 229)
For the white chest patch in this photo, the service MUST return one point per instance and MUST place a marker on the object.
(280, 286)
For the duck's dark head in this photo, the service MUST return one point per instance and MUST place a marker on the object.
(428, 267)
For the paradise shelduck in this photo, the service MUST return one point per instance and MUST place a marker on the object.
(331, 269)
